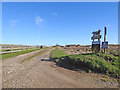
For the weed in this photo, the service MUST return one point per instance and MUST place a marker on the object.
(104, 80)
(89, 71)
(104, 76)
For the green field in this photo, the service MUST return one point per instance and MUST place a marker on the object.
(100, 63)
(8, 55)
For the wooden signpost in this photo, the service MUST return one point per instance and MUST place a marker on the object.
(96, 44)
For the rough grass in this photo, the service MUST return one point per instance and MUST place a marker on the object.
(8, 55)
(34, 55)
(100, 63)
(104, 80)
(13, 49)
(5, 50)
(57, 53)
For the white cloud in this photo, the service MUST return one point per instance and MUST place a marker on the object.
(54, 14)
(38, 20)
(13, 23)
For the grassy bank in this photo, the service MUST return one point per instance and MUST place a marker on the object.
(57, 53)
(8, 55)
(100, 63)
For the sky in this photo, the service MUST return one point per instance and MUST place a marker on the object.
(51, 23)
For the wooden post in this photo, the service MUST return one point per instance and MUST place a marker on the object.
(104, 38)
(99, 35)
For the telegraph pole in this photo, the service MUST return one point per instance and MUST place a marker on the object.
(99, 35)
(105, 43)
(104, 37)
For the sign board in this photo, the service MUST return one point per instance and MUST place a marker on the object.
(96, 32)
(95, 42)
(104, 45)
(96, 36)
(96, 46)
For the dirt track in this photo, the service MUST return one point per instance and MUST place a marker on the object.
(40, 72)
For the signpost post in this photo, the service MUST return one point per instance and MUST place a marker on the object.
(105, 43)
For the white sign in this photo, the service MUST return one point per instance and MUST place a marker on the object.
(96, 36)
(95, 42)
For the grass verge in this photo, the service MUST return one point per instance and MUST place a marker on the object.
(8, 55)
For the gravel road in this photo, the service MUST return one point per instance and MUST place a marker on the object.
(39, 71)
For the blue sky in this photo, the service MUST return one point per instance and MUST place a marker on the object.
(50, 23)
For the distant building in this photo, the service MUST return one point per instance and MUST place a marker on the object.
(71, 45)
(62, 46)
(78, 45)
